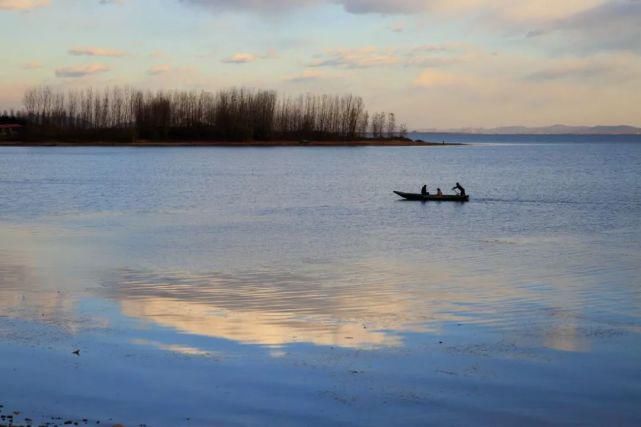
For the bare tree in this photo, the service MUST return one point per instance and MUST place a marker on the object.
(391, 125)
(402, 131)
(230, 114)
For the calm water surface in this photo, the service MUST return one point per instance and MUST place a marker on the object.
(289, 286)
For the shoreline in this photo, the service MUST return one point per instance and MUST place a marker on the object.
(143, 143)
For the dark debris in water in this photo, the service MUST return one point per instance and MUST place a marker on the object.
(17, 419)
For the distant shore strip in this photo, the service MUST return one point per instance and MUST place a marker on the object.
(239, 144)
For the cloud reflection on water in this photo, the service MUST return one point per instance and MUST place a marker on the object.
(21, 298)
(365, 306)
(270, 309)
(369, 304)
(176, 348)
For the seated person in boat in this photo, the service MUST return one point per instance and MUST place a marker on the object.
(424, 191)
(460, 189)
(439, 192)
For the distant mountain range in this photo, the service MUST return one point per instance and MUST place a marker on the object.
(544, 130)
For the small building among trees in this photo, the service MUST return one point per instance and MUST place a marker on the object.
(10, 130)
(12, 125)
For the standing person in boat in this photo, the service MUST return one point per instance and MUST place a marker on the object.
(459, 188)
(439, 192)
(424, 191)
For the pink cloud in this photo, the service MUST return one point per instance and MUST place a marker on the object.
(77, 71)
(240, 58)
(96, 51)
(22, 4)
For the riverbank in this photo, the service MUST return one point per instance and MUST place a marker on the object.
(146, 143)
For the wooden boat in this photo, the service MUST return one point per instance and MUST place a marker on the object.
(433, 197)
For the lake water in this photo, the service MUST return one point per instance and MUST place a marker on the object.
(290, 286)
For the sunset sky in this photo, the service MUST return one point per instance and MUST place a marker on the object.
(436, 63)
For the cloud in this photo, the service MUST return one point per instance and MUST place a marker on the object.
(240, 58)
(77, 71)
(527, 11)
(384, 6)
(251, 5)
(397, 27)
(351, 6)
(22, 4)
(158, 54)
(34, 65)
(615, 25)
(357, 58)
(246, 57)
(569, 25)
(515, 10)
(159, 69)
(434, 78)
(535, 33)
(96, 51)
(573, 70)
(305, 76)
(370, 56)
(517, 88)
(607, 24)
(614, 67)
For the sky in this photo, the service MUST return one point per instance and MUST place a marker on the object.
(435, 63)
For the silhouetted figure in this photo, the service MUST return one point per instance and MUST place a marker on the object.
(459, 188)
(424, 191)
(439, 192)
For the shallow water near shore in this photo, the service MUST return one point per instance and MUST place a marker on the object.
(290, 286)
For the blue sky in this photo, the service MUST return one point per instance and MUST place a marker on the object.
(436, 63)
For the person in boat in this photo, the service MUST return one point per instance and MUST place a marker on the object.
(439, 192)
(424, 191)
(459, 188)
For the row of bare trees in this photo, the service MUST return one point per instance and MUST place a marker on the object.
(231, 114)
